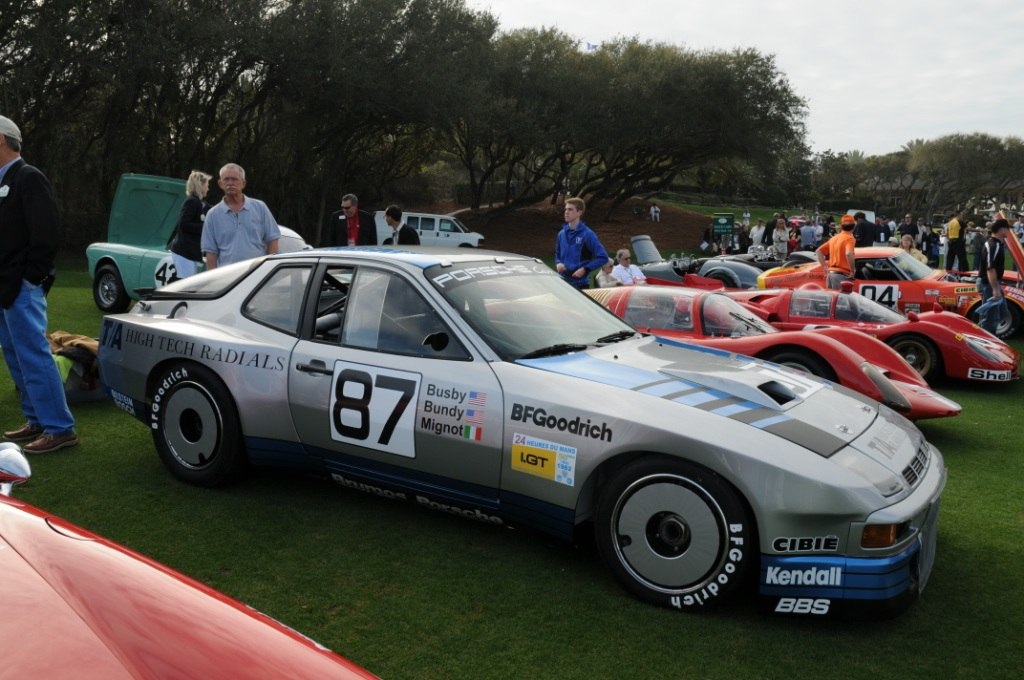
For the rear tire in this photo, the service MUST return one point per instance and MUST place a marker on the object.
(108, 291)
(673, 533)
(196, 427)
(1006, 328)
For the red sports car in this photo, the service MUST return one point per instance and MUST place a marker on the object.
(76, 605)
(894, 278)
(935, 343)
(852, 359)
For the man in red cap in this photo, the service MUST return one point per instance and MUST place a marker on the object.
(837, 255)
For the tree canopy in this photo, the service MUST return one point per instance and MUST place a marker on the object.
(319, 97)
(316, 98)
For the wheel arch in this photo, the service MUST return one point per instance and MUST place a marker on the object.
(105, 260)
(939, 350)
(595, 483)
(768, 354)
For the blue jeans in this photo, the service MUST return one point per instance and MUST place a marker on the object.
(28, 356)
(991, 311)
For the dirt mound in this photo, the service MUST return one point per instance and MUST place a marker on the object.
(531, 230)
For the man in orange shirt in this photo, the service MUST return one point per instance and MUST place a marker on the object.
(840, 254)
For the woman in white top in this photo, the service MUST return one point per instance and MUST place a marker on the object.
(604, 277)
(780, 237)
(627, 273)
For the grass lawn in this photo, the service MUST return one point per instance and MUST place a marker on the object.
(410, 593)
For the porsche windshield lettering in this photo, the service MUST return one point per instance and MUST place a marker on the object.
(541, 418)
(455, 277)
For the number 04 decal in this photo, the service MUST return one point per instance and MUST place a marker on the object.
(882, 293)
(370, 406)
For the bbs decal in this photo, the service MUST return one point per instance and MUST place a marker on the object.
(803, 605)
(374, 407)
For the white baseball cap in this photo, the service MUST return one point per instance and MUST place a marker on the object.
(9, 129)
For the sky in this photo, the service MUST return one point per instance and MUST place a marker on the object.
(876, 74)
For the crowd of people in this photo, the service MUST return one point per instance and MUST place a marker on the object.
(240, 227)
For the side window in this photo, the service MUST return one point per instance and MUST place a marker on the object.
(877, 270)
(809, 304)
(649, 310)
(413, 222)
(277, 302)
(386, 314)
(447, 226)
(427, 223)
(332, 299)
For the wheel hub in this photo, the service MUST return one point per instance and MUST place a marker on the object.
(668, 534)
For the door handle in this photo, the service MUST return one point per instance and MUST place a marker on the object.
(315, 366)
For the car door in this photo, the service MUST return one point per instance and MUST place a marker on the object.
(383, 388)
(448, 233)
(427, 229)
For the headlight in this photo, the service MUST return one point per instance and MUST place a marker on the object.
(891, 396)
(882, 535)
(982, 347)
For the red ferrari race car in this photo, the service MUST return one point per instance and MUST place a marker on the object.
(79, 606)
(937, 343)
(849, 358)
(894, 278)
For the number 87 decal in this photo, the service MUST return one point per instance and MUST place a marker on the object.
(370, 407)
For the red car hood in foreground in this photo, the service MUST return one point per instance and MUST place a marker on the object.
(78, 606)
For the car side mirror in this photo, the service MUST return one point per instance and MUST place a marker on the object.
(14, 467)
(912, 316)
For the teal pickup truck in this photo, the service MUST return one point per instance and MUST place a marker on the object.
(135, 255)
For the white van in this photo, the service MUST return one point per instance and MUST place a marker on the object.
(434, 230)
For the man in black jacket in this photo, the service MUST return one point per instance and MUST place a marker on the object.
(401, 234)
(351, 226)
(29, 234)
(866, 233)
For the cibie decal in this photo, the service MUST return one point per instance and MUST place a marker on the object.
(370, 406)
(799, 544)
(542, 458)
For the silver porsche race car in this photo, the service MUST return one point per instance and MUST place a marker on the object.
(480, 384)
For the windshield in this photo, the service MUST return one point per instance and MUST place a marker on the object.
(724, 317)
(856, 307)
(523, 308)
(913, 268)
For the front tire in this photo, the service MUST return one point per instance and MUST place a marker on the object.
(673, 533)
(196, 428)
(108, 291)
(919, 353)
(801, 360)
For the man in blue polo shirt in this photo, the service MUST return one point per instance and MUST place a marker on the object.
(238, 228)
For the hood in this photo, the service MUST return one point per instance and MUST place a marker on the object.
(76, 605)
(812, 413)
